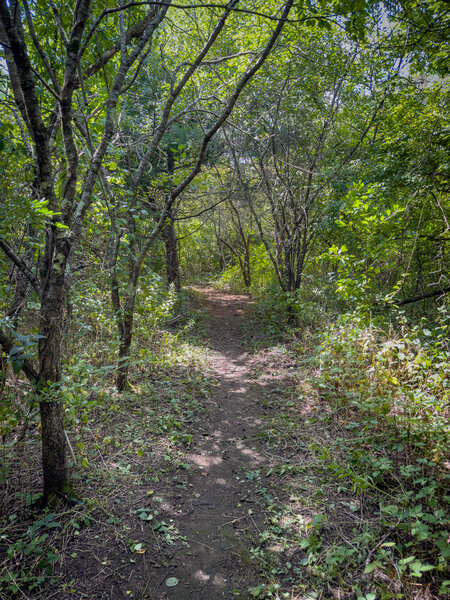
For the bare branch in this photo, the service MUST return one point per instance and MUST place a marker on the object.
(232, 101)
(70, 75)
(108, 132)
(174, 93)
(38, 47)
(131, 33)
(433, 294)
(30, 98)
(58, 22)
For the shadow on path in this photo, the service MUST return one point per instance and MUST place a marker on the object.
(215, 518)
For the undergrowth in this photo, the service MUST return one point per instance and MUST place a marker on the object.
(351, 503)
(357, 503)
(390, 389)
(120, 446)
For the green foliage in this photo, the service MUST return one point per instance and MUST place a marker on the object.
(34, 557)
(261, 270)
(401, 377)
(23, 349)
(369, 232)
(199, 254)
(154, 303)
(358, 501)
(391, 392)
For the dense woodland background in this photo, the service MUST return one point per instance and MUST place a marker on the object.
(294, 151)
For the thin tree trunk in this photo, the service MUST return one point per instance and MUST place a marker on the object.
(126, 336)
(172, 261)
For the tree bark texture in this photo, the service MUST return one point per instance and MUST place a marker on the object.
(54, 460)
(54, 456)
(126, 337)
(172, 262)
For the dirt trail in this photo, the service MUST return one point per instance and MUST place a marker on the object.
(210, 509)
(217, 512)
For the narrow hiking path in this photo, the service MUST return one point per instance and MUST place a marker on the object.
(174, 502)
(218, 511)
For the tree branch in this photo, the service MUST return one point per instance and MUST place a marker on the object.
(131, 33)
(433, 294)
(38, 47)
(174, 93)
(111, 105)
(21, 265)
(232, 101)
(29, 93)
(70, 74)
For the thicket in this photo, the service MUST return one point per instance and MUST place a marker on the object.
(302, 160)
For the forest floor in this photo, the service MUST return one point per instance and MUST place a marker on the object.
(205, 482)
(215, 511)
(173, 500)
(207, 502)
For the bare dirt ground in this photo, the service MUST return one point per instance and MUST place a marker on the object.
(215, 516)
(209, 511)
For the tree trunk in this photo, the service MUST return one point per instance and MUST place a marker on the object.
(126, 336)
(54, 457)
(244, 264)
(172, 262)
(247, 263)
(222, 261)
(3, 370)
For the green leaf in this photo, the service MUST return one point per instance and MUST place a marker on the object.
(391, 509)
(17, 366)
(145, 516)
(371, 567)
(52, 558)
(171, 582)
(136, 547)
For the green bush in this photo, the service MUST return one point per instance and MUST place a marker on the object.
(390, 389)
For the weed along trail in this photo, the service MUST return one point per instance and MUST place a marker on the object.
(217, 515)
